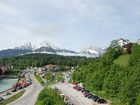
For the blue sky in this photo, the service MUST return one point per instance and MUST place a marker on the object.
(71, 24)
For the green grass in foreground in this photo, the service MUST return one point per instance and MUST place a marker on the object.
(13, 98)
(39, 79)
(122, 60)
(49, 96)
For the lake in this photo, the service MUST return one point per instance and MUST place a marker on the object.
(6, 84)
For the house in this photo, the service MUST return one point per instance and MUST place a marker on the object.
(138, 41)
(51, 67)
(122, 42)
(127, 48)
(3, 70)
(40, 71)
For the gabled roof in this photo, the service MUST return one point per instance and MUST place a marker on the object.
(51, 65)
(121, 39)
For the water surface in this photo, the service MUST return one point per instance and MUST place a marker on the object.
(6, 84)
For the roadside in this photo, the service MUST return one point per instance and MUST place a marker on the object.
(12, 98)
(30, 95)
(17, 89)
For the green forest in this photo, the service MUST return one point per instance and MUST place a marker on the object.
(39, 60)
(116, 82)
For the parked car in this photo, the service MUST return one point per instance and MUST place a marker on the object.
(19, 87)
(1, 99)
(62, 81)
(14, 90)
(86, 94)
(90, 96)
(7, 93)
(101, 101)
(84, 90)
(95, 98)
(77, 88)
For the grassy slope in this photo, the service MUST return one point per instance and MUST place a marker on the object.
(49, 96)
(39, 79)
(122, 60)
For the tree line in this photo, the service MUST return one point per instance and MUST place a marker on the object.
(39, 60)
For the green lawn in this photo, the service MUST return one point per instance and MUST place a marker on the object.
(13, 98)
(122, 60)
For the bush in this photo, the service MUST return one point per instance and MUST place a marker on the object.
(49, 97)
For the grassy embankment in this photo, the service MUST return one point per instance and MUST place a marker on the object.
(13, 98)
(122, 60)
(39, 79)
(49, 96)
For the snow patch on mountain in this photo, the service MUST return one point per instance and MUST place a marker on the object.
(95, 51)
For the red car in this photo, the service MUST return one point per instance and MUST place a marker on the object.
(86, 94)
(77, 88)
(74, 83)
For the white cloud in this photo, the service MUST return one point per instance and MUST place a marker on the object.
(68, 20)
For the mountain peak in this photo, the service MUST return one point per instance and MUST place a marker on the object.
(35, 46)
(47, 47)
(26, 46)
(92, 51)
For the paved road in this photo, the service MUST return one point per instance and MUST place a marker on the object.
(30, 95)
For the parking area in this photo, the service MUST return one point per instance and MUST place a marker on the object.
(77, 97)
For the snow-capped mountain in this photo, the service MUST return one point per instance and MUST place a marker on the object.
(43, 47)
(36, 46)
(95, 51)
(46, 47)
(26, 46)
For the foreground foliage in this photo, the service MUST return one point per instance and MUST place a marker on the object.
(49, 97)
(120, 84)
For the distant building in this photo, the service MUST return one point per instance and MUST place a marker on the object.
(138, 41)
(3, 70)
(51, 67)
(127, 48)
(122, 42)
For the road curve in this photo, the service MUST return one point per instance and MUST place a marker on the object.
(30, 95)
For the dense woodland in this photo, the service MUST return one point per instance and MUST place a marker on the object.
(117, 83)
(39, 60)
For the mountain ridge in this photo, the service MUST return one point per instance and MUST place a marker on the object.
(47, 47)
